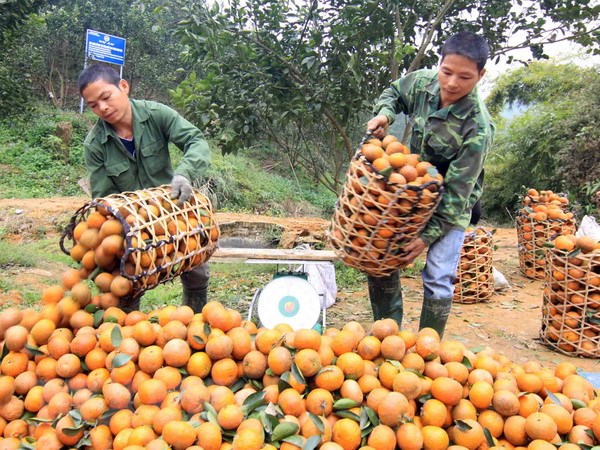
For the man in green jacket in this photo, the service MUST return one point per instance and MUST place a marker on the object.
(451, 128)
(127, 150)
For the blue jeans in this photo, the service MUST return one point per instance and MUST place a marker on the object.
(440, 266)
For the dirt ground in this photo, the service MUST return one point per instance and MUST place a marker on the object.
(509, 322)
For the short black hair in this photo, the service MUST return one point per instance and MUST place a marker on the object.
(95, 72)
(469, 45)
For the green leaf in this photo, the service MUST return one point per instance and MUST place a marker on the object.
(253, 401)
(344, 403)
(120, 360)
(210, 408)
(462, 425)
(91, 308)
(239, 384)
(373, 417)
(297, 374)
(386, 172)
(115, 336)
(477, 348)
(99, 317)
(269, 421)
(343, 413)
(294, 439)
(553, 397)
(318, 423)
(577, 404)
(4, 352)
(72, 431)
(467, 363)
(198, 339)
(34, 350)
(488, 437)
(283, 430)
(312, 442)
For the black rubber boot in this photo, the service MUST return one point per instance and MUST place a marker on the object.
(385, 294)
(195, 299)
(128, 304)
(434, 314)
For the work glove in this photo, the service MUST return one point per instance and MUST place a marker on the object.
(181, 188)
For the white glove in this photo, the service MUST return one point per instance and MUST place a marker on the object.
(181, 188)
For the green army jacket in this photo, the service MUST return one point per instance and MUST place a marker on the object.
(456, 138)
(111, 167)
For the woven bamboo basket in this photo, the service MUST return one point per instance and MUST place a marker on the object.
(532, 235)
(375, 218)
(160, 238)
(571, 304)
(474, 281)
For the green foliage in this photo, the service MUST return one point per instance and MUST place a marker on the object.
(235, 186)
(36, 163)
(49, 48)
(13, 13)
(554, 144)
(302, 75)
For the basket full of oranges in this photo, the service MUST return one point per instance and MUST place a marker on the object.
(387, 199)
(134, 241)
(544, 216)
(571, 305)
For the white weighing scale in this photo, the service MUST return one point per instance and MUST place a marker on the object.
(289, 298)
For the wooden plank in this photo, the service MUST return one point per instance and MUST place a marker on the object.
(273, 254)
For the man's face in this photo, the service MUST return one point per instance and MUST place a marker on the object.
(458, 75)
(107, 101)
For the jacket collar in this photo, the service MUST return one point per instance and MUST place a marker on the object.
(460, 109)
(139, 113)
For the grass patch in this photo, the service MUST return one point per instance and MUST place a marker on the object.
(40, 254)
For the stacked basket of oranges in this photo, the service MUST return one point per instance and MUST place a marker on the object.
(388, 197)
(474, 276)
(571, 308)
(544, 215)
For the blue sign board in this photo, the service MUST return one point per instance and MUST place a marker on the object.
(105, 47)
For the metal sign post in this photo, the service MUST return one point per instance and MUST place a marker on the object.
(104, 48)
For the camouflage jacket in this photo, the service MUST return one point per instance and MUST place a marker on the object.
(455, 139)
(112, 169)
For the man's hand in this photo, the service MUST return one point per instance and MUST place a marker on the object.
(413, 249)
(378, 125)
(181, 188)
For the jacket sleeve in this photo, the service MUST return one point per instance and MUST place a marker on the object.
(101, 184)
(189, 139)
(398, 97)
(459, 183)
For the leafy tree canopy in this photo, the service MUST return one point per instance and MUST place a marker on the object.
(554, 144)
(304, 75)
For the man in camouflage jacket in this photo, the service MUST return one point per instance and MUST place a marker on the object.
(451, 129)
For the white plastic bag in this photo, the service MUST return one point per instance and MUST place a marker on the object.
(322, 278)
(500, 281)
(589, 227)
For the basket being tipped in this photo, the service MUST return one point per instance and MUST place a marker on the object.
(388, 197)
(140, 239)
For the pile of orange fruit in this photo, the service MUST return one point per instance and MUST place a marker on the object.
(571, 310)
(474, 277)
(387, 200)
(544, 216)
(170, 378)
(142, 236)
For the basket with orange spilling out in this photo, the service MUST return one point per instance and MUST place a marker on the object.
(130, 242)
(544, 216)
(388, 197)
(571, 306)
(474, 276)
